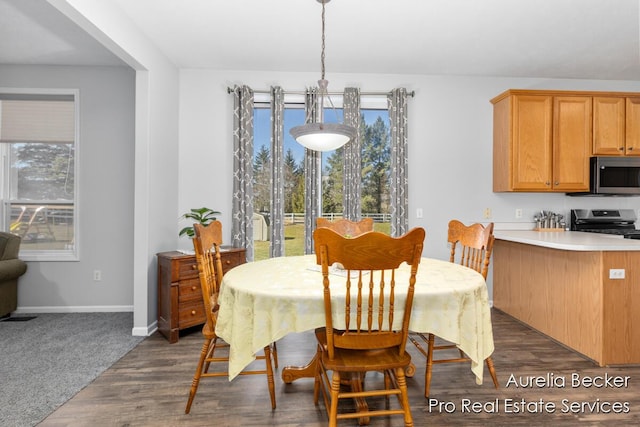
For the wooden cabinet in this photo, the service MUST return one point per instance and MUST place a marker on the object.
(541, 142)
(608, 126)
(616, 126)
(180, 303)
(632, 131)
(571, 143)
(569, 296)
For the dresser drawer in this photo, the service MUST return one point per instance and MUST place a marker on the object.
(188, 268)
(189, 290)
(191, 314)
(231, 259)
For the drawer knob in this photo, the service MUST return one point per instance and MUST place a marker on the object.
(193, 312)
(630, 148)
(228, 262)
(193, 288)
(194, 267)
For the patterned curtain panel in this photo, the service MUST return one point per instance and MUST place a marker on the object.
(277, 172)
(312, 176)
(242, 203)
(399, 183)
(352, 151)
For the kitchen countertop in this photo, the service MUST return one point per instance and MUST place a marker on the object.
(569, 240)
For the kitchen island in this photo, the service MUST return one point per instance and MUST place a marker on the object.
(581, 289)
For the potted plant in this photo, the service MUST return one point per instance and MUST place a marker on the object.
(202, 215)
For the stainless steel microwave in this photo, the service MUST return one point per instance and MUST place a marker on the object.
(615, 175)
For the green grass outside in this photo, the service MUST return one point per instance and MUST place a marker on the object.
(294, 240)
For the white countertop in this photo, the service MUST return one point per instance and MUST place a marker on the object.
(569, 240)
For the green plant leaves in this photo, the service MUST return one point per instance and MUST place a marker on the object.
(201, 215)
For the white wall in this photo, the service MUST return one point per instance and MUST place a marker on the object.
(156, 143)
(450, 145)
(105, 208)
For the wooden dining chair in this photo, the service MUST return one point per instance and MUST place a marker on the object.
(471, 246)
(346, 227)
(367, 336)
(207, 243)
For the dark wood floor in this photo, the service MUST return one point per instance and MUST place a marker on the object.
(149, 387)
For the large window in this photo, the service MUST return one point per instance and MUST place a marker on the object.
(38, 172)
(375, 172)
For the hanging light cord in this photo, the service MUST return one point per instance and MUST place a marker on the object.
(322, 51)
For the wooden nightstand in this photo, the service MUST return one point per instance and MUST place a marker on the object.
(180, 303)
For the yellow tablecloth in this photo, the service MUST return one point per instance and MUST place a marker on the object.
(262, 301)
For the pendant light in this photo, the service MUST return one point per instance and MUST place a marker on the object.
(322, 136)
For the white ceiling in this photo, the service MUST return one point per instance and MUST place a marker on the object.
(590, 39)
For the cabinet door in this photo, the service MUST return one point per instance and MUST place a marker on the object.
(571, 142)
(531, 139)
(633, 127)
(609, 126)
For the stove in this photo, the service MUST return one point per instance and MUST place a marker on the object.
(607, 221)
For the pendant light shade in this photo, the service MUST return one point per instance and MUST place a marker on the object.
(322, 136)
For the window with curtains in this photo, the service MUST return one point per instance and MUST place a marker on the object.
(375, 198)
(265, 167)
(38, 135)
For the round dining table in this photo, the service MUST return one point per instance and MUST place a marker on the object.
(263, 301)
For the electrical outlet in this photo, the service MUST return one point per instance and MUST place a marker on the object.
(487, 213)
(97, 275)
(616, 273)
(518, 213)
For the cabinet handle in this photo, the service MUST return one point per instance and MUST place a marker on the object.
(621, 148)
(193, 312)
(556, 183)
(547, 183)
(630, 148)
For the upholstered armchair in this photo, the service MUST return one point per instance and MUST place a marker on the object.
(11, 268)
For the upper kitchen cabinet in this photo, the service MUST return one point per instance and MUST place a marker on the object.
(541, 141)
(616, 126)
(632, 131)
(608, 126)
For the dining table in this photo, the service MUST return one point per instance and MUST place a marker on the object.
(263, 301)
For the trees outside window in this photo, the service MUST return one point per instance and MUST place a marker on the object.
(375, 175)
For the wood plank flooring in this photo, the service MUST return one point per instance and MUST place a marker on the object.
(150, 385)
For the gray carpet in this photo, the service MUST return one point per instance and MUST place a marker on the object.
(47, 360)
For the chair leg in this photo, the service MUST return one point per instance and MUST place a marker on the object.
(404, 397)
(317, 379)
(429, 368)
(492, 371)
(274, 352)
(270, 382)
(333, 410)
(212, 349)
(198, 374)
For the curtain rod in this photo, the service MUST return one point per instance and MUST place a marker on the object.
(411, 94)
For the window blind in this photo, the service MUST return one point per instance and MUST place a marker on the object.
(50, 121)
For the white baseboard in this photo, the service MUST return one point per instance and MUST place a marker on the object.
(145, 332)
(75, 309)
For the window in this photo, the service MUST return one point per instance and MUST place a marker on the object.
(37, 172)
(375, 172)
